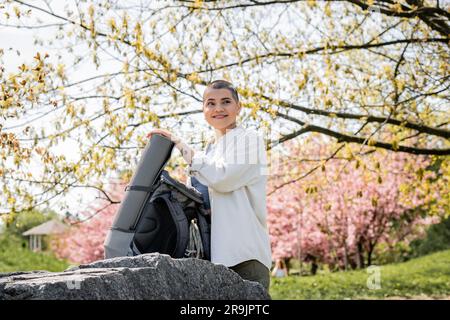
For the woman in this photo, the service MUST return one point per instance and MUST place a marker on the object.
(232, 168)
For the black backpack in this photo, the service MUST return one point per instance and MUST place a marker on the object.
(173, 221)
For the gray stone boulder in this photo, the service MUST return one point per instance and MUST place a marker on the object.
(150, 277)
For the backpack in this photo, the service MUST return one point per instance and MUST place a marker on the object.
(159, 213)
(174, 221)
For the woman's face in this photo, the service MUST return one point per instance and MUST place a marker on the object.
(220, 109)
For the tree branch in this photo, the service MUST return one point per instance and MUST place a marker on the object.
(341, 137)
(436, 18)
(407, 124)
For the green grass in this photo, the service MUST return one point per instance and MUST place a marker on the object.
(14, 257)
(425, 276)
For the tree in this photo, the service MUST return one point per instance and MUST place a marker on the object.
(373, 73)
(16, 224)
(338, 215)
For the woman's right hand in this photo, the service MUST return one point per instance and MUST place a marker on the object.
(186, 151)
(163, 132)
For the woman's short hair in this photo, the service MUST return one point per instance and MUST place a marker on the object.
(223, 84)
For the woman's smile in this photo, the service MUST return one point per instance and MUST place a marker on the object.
(220, 116)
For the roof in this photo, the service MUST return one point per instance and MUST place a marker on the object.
(49, 227)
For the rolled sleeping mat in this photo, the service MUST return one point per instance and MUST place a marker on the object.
(153, 160)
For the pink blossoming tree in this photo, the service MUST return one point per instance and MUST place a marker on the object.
(340, 213)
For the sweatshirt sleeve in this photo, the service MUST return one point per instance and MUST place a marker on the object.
(241, 163)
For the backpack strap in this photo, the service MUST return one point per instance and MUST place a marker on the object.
(191, 193)
(181, 224)
(204, 226)
(139, 188)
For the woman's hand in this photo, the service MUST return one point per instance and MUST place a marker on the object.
(186, 151)
(165, 133)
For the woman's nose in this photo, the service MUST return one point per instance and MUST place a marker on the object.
(220, 106)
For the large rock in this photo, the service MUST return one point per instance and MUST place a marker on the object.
(150, 276)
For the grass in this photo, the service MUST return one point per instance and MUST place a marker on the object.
(15, 257)
(427, 276)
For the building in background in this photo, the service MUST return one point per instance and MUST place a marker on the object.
(37, 233)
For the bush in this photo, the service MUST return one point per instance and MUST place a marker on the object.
(14, 256)
(385, 254)
(437, 239)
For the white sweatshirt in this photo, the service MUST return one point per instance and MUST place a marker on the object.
(235, 170)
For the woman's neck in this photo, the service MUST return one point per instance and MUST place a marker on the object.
(222, 132)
